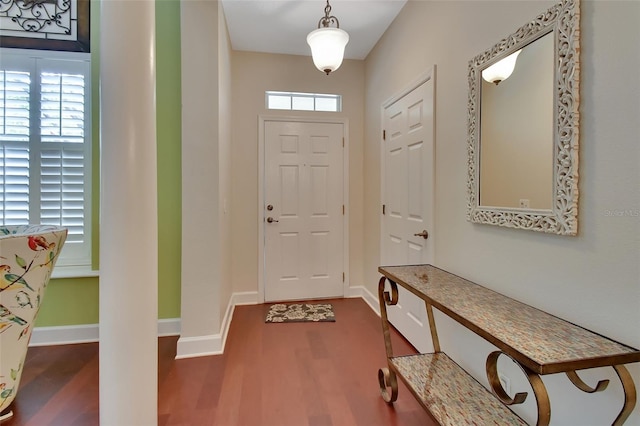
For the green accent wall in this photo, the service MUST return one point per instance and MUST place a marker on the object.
(75, 301)
(169, 125)
(69, 301)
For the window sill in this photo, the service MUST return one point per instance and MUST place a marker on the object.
(74, 272)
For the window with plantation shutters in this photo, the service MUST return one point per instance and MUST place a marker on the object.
(45, 148)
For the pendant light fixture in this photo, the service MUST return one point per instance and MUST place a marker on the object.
(327, 43)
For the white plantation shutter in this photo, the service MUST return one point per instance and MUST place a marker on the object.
(62, 190)
(62, 177)
(14, 152)
(45, 148)
(14, 184)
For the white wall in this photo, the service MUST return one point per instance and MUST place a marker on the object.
(253, 74)
(224, 144)
(206, 180)
(592, 279)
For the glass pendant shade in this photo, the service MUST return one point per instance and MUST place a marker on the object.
(327, 48)
(501, 70)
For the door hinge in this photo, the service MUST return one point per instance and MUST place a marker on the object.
(343, 277)
(384, 135)
(343, 210)
(384, 209)
(343, 142)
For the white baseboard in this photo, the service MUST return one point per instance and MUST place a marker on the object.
(368, 297)
(64, 335)
(244, 298)
(88, 333)
(169, 327)
(190, 347)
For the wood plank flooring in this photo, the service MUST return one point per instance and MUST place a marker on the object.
(295, 374)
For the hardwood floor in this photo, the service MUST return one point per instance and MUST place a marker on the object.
(295, 374)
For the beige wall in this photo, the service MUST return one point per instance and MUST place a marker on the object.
(592, 279)
(253, 74)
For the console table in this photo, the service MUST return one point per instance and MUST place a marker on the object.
(539, 343)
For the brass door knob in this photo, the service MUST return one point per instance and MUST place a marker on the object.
(271, 220)
(424, 234)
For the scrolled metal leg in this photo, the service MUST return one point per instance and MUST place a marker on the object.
(580, 384)
(627, 386)
(496, 386)
(387, 379)
(539, 390)
(389, 299)
(385, 298)
(629, 394)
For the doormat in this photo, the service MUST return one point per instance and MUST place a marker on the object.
(301, 312)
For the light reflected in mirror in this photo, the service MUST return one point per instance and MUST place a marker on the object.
(516, 132)
(501, 70)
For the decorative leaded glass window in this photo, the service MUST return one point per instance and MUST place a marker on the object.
(45, 24)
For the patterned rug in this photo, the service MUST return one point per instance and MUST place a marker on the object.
(301, 312)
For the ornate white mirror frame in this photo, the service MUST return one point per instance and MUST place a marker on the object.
(563, 20)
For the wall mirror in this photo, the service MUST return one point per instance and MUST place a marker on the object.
(523, 126)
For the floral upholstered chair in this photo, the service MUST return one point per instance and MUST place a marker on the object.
(27, 256)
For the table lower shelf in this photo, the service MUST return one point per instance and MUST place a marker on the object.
(449, 393)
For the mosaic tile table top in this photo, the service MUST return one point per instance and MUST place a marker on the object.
(453, 397)
(542, 342)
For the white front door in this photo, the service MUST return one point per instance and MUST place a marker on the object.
(303, 210)
(408, 194)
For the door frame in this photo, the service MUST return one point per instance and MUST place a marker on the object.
(262, 119)
(430, 74)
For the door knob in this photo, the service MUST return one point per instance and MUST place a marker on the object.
(424, 234)
(271, 220)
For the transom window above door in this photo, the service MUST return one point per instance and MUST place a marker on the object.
(296, 101)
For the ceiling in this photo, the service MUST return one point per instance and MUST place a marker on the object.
(281, 26)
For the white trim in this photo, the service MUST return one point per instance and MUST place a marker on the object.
(244, 298)
(62, 271)
(261, 120)
(347, 210)
(423, 78)
(169, 327)
(345, 192)
(47, 54)
(187, 347)
(191, 347)
(367, 296)
(89, 333)
(213, 344)
(64, 335)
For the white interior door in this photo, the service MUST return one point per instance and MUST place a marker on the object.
(303, 210)
(408, 194)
